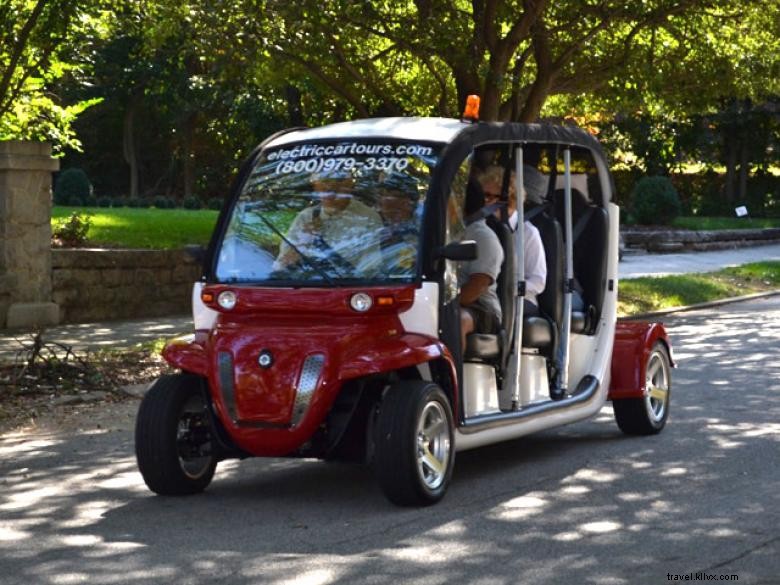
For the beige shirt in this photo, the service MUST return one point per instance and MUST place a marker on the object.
(352, 234)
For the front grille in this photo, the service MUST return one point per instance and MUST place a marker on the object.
(307, 384)
(225, 369)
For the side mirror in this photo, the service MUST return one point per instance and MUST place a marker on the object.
(465, 250)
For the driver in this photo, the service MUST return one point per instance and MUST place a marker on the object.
(338, 229)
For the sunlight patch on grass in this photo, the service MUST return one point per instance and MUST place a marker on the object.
(144, 228)
(645, 294)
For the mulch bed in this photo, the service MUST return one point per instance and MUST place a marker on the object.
(46, 376)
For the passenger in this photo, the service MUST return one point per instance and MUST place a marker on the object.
(339, 230)
(480, 309)
(398, 197)
(535, 262)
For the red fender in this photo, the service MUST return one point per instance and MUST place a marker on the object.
(188, 353)
(634, 341)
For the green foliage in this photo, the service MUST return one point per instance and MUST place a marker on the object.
(215, 203)
(163, 202)
(192, 202)
(71, 232)
(135, 202)
(654, 200)
(72, 187)
(104, 201)
(146, 228)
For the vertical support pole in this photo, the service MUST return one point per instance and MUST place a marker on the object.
(520, 274)
(568, 282)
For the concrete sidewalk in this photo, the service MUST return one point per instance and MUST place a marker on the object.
(634, 265)
(122, 334)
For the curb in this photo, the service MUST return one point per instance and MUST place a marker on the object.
(708, 304)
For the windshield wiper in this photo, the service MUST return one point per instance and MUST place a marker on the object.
(303, 256)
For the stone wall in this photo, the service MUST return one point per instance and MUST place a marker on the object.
(103, 285)
(672, 240)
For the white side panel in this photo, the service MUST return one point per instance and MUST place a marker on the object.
(202, 316)
(423, 317)
(480, 395)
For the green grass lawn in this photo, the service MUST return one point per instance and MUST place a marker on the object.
(645, 294)
(724, 223)
(144, 228)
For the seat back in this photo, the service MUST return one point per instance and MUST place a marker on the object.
(591, 226)
(506, 284)
(551, 298)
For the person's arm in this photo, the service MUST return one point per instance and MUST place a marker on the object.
(474, 287)
(535, 262)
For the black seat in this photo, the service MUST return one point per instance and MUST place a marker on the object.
(542, 332)
(590, 224)
(496, 346)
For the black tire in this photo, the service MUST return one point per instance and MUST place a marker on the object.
(413, 465)
(173, 437)
(648, 415)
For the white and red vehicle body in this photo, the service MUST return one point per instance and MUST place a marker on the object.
(293, 369)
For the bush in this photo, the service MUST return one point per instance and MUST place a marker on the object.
(104, 201)
(654, 200)
(191, 202)
(71, 232)
(215, 203)
(163, 202)
(72, 187)
(134, 202)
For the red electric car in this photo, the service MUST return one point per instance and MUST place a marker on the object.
(327, 323)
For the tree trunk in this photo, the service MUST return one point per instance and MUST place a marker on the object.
(294, 106)
(188, 155)
(128, 144)
(744, 168)
(731, 167)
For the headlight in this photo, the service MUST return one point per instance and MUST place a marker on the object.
(360, 302)
(227, 299)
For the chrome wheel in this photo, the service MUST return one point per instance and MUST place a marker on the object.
(657, 386)
(433, 445)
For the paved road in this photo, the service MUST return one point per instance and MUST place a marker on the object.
(581, 504)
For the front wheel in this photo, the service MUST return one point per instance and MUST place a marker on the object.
(173, 437)
(415, 447)
(647, 415)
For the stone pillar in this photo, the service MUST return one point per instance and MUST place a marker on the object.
(25, 234)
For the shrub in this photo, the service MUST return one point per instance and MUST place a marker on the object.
(191, 202)
(654, 200)
(163, 202)
(134, 202)
(104, 201)
(72, 187)
(71, 232)
(215, 203)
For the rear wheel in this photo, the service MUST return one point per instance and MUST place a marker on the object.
(414, 448)
(173, 437)
(647, 415)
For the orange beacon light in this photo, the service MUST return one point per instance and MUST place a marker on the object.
(471, 111)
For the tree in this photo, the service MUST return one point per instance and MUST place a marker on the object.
(426, 56)
(33, 38)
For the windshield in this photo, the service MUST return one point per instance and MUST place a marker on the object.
(325, 212)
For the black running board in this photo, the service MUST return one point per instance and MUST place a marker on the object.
(586, 389)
